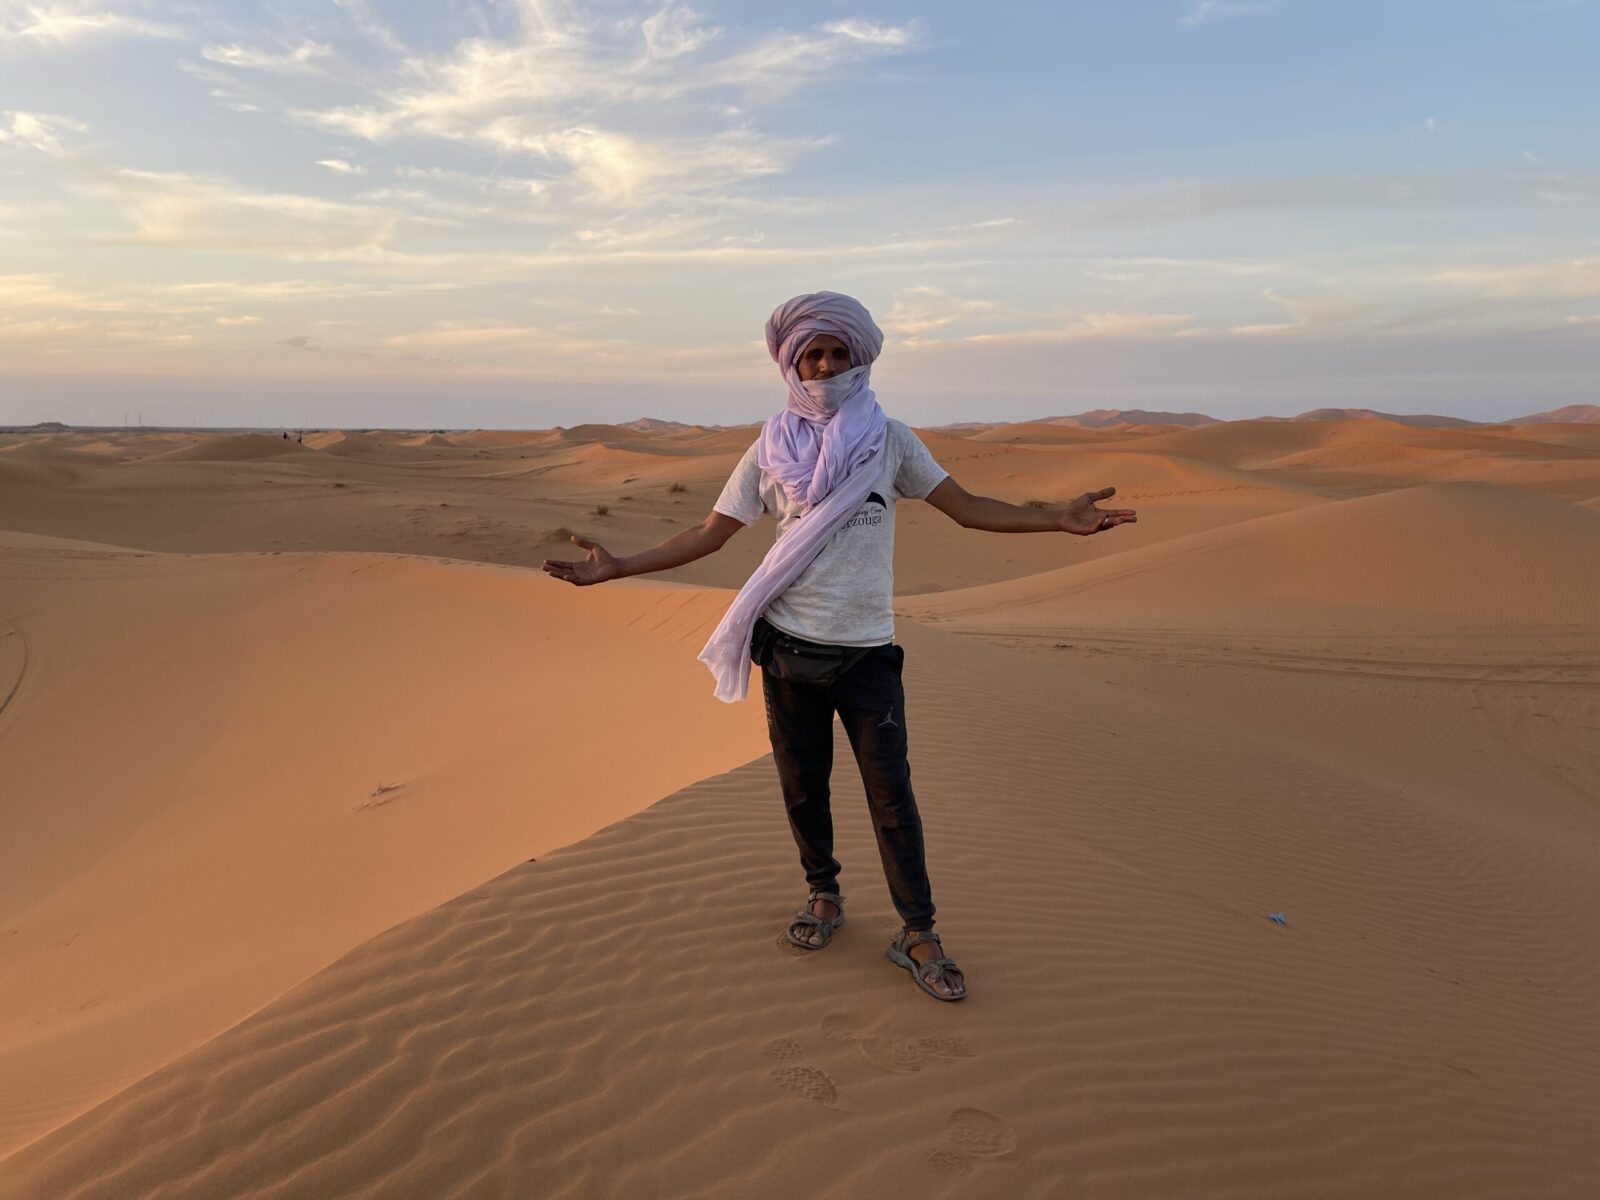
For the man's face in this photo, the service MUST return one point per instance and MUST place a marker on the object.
(824, 357)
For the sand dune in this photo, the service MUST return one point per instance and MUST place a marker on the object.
(509, 503)
(366, 754)
(363, 445)
(1261, 442)
(1420, 420)
(1570, 412)
(242, 447)
(1585, 436)
(501, 438)
(616, 1019)
(600, 433)
(1437, 550)
(1330, 673)
(1247, 444)
(1039, 433)
(1356, 457)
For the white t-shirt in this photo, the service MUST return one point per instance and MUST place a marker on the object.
(844, 596)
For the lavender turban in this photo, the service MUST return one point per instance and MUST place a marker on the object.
(795, 322)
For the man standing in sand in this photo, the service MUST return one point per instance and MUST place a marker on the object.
(816, 614)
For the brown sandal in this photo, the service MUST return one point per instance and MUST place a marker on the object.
(923, 974)
(806, 917)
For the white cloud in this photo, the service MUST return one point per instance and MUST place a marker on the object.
(614, 110)
(514, 185)
(225, 290)
(460, 336)
(62, 23)
(50, 316)
(239, 320)
(925, 308)
(1259, 330)
(871, 33)
(1430, 124)
(673, 31)
(34, 292)
(428, 208)
(40, 329)
(1087, 327)
(176, 208)
(1318, 315)
(36, 130)
(340, 166)
(783, 62)
(301, 58)
(1561, 279)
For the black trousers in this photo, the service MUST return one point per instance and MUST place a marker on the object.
(870, 701)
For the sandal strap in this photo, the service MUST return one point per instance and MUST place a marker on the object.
(909, 939)
(832, 897)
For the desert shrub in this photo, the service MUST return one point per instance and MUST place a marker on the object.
(601, 510)
(561, 534)
(677, 487)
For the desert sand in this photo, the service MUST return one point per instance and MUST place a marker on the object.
(349, 855)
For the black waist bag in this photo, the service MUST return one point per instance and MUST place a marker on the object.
(795, 660)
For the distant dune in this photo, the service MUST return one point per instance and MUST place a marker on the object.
(1101, 418)
(1044, 432)
(1581, 413)
(1098, 418)
(1420, 420)
(1114, 418)
(652, 425)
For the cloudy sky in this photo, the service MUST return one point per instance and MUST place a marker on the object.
(529, 212)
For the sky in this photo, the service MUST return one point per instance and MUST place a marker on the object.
(527, 213)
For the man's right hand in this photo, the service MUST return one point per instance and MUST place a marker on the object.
(595, 567)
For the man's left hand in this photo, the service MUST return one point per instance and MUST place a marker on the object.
(1082, 517)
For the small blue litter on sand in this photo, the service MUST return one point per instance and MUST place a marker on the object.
(1278, 919)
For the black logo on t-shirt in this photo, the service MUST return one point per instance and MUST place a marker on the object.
(865, 516)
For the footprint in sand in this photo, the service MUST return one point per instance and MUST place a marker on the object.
(905, 1055)
(806, 1082)
(948, 1162)
(841, 1027)
(980, 1133)
(782, 1048)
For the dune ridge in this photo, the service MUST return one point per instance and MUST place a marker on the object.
(363, 757)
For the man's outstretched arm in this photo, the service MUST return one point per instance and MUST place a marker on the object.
(600, 565)
(1079, 516)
